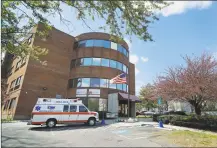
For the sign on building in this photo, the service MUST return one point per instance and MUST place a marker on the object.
(81, 92)
(94, 93)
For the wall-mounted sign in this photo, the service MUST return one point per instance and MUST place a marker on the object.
(58, 96)
(81, 92)
(94, 93)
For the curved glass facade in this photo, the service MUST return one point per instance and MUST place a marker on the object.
(103, 43)
(96, 83)
(99, 62)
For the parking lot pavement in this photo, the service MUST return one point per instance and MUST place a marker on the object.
(21, 135)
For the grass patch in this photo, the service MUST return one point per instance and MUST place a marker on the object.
(192, 139)
(143, 116)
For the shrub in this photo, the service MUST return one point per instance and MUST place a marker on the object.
(194, 121)
(143, 116)
(166, 118)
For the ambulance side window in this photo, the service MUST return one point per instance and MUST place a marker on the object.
(73, 108)
(65, 108)
(82, 109)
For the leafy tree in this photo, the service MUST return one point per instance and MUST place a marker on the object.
(146, 95)
(196, 83)
(120, 17)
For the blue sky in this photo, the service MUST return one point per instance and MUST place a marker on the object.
(186, 27)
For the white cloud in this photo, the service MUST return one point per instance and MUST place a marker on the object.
(134, 58)
(179, 7)
(128, 43)
(144, 59)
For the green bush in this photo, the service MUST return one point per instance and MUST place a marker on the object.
(166, 118)
(143, 116)
(194, 121)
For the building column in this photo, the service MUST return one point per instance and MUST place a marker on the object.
(133, 109)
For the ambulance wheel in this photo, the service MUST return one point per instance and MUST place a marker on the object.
(51, 123)
(92, 122)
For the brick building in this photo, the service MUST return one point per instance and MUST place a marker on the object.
(74, 67)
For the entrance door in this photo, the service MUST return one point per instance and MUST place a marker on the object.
(73, 113)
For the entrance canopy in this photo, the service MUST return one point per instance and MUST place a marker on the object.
(123, 96)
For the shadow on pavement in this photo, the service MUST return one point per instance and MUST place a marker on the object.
(66, 127)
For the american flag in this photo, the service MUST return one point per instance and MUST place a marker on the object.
(120, 79)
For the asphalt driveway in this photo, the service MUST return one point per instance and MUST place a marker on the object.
(21, 135)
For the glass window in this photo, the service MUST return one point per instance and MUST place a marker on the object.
(104, 83)
(87, 61)
(18, 64)
(85, 82)
(102, 104)
(18, 81)
(124, 87)
(84, 101)
(98, 43)
(120, 66)
(78, 82)
(119, 86)
(12, 83)
(127, 53)
(93, 104)
(82, 109)
(73, 108)
(65, 108)
(73, 64)
(79, 62)
(127, 70)
(94, 82)
(107, 44)
(112, 86)
(127, 88)
(89, 43)
(124, 68)
(105, 62)
(124, 51)
(112, 63)
(120, 48)
(82, 43)
(96, 61)
(114, 46)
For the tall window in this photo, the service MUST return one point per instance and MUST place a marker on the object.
(104, 83)
(79, 62)
(105, 62)
(124, 87)
(119, 86)
(82, 43)
(96, 61)
(106, 44)
(120, 48)
(114, 46)
(124, 68)
(18, 64)
(98, 43)
(18, 81)
(85, 82)
(120, 66)
(87, 61)
(112, 64)
(78, 82)
(112, 86)
(94, 82)
(93, 104)
(89, 43)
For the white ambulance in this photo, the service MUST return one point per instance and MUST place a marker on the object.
(51, 111)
